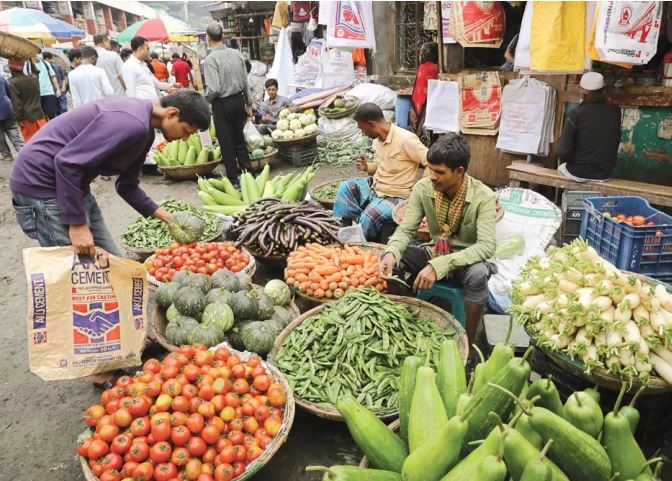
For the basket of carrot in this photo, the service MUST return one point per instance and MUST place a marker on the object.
(325, 273)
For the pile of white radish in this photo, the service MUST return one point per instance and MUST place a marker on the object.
(578, 303)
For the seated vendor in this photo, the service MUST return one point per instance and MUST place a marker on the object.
(460, 213)
(269, 110)
(397, 153)
(588, 145)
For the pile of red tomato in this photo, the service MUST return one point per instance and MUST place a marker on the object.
(198, 415)
(634, 220)
(202, 257)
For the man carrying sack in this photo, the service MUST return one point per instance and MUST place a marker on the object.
(460, 213)
(50, 180)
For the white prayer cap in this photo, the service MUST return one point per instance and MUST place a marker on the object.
(592, 81)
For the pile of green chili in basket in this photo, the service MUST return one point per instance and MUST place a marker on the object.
(357, 346)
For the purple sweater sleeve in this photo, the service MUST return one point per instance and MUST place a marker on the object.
(111, 137)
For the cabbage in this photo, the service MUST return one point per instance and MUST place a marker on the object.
(268, 140)
(283, 124)
(257, 153)
(284, 113)
(276, 134)
(287, 135)
(300, 133)
(255, 142)
(294, 124)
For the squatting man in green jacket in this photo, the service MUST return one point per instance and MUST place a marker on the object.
(460, 214)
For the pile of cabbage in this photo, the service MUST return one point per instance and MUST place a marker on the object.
(293, 126)
(573, 301)
(259, 145)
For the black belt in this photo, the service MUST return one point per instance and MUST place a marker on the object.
(231, 96)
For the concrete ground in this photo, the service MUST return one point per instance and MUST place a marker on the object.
(40, 421)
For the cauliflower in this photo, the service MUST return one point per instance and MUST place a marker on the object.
(276, 134)
(295, 124)
(300, 133)
(293, 116)
(288, 135)
(283, 124)
(311, 129)
(284, 113)
(305, 119)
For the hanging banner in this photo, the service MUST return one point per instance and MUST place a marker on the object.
(628, 31)
(446, 12)
(351, 25)
(557, 41)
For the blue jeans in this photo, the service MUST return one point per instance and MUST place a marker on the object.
(40, 219)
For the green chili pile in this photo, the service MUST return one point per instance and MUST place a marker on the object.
(357, 346)
(151, 233)
(338, 152)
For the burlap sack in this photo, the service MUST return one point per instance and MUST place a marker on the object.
(84, 317)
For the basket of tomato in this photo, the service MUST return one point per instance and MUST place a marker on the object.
(326, 273)
(199, 257)
(215, 414)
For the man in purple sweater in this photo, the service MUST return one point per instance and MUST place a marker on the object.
(111, 136)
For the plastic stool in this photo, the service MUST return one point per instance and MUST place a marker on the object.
(450, 292)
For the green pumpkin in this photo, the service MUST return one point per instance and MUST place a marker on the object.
(282, 315)
(172, 312)
(201, 281)
(181, 277)
(266, 307)
(207, 334)
(258, 336)
(234, 336)
(186, 228)
(244, 281)
(226, 280)
(274, 325)
(218, 314)
(278, 291)
(177, 330)
(245, 305)
(165, 294)
(219, 294)
(190, 301)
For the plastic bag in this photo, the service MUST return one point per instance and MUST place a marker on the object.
(344, 129)
(250, 130)
(336, 69)
(382, 96)
(350, 25)
(351, 234)
(83, 317)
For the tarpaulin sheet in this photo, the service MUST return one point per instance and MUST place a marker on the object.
(558, 36)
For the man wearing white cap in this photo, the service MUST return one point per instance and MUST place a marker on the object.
(589, 141)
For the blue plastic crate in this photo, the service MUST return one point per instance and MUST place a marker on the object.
(646, 250)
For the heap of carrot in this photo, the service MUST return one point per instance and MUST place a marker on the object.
(332, 271)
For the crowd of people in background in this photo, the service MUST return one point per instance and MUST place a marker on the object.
(41, 89)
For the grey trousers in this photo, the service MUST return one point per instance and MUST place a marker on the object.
(473, 278)
(11, 130)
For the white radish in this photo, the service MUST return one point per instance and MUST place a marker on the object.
(617, 294)
(646, 331)
(531, 302)
(613, 361)
(626, 357)
(562, 301)
(622, 315)
(601, 339)
(608, 314)
(646, 292)
(589, 254)
(643, 347)
(632, 300)
(663, 369)
(539, 326)
(573, 275)
(567, 286)
(666, 354)
(653, 305)
(591, 280)
(661, 293)
(632, 333)
(585, 291)
(642, 364)
(527, 289)
(667, 317)
(614, 338)
(586, 299)
(591, 353)
(602, 303)
(544, 307)
(657, 322)
(583, 336)
(633, 285)
(641, 315)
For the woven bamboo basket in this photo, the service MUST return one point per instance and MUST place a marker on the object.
(268, 159)
(302, 141)
(13, 46)
(159, 323)
(601, 377)
(324, 201)
(395, 426)
(372, 246)
(287, 421)
(340, 115)
(143, 254)
(189, 172)
(425, 310)
(251, 268)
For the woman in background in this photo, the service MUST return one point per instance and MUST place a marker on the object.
(427, 70)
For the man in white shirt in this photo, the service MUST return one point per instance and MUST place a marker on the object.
(139, 81)
(110, 62)
(88, 82)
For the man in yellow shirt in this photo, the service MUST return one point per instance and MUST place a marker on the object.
(398, 154)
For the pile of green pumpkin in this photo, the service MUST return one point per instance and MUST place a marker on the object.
(224, 307)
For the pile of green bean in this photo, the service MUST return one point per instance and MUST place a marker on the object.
(328, 192)
(338, 152)
(357, 346)
(151, 233)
